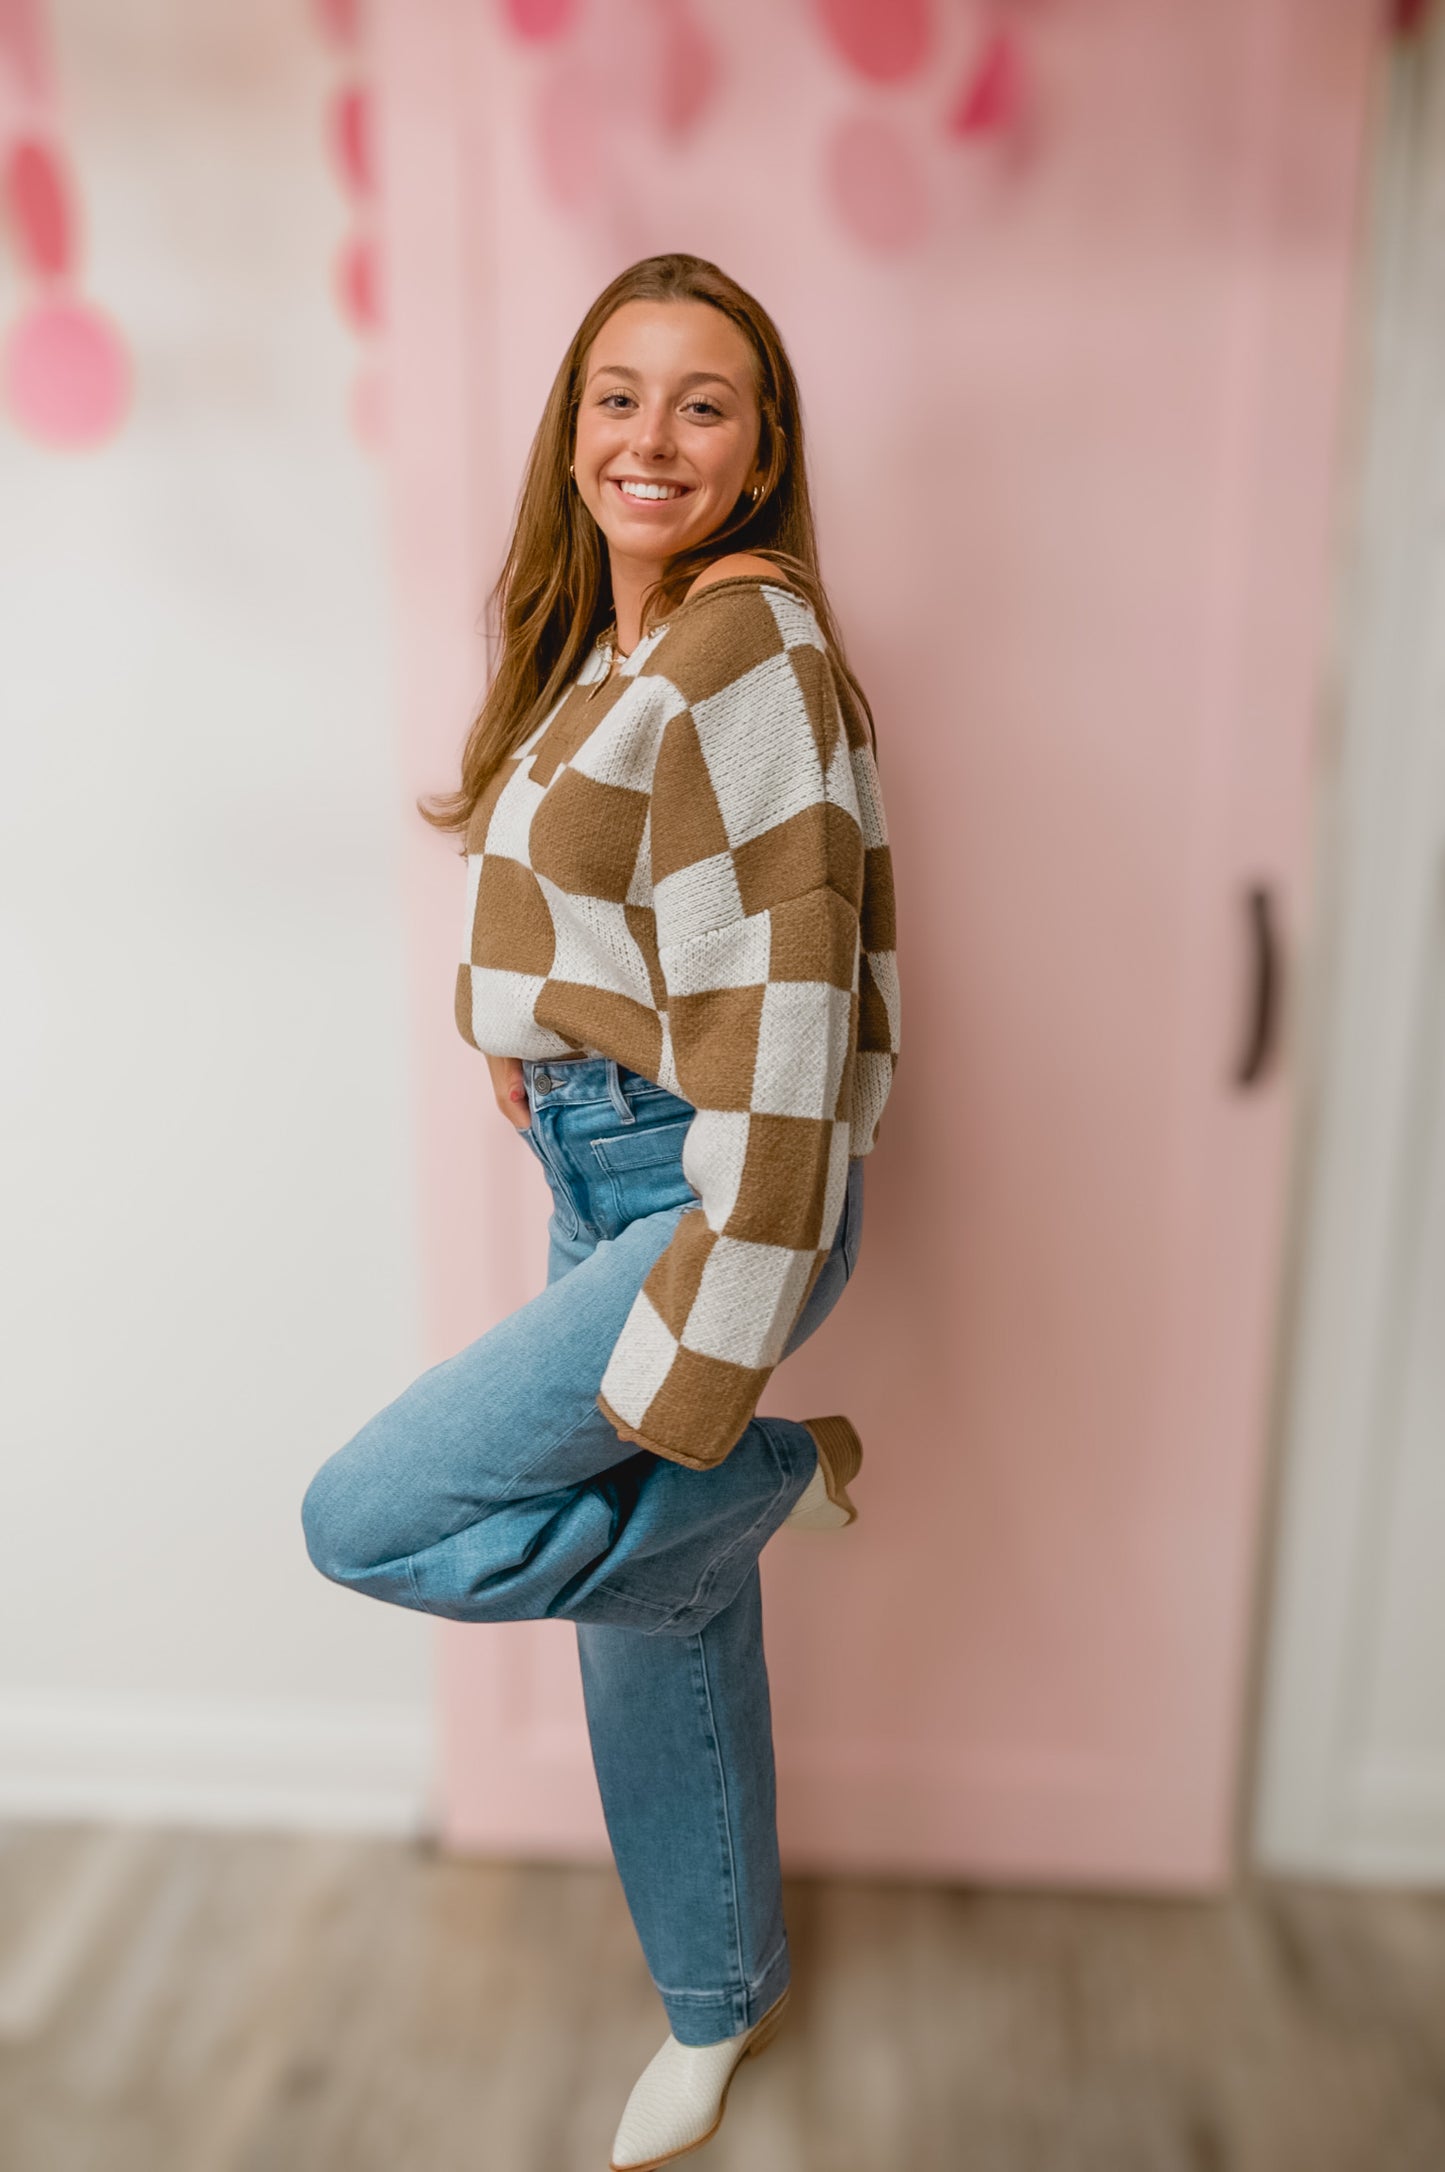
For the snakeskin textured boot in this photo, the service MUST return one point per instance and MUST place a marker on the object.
(678, 2100)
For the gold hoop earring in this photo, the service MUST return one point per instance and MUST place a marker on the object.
(572, 470)
(757, 492)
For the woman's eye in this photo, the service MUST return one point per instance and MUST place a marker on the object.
(707, 407)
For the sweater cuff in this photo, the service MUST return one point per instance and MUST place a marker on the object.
(679, 1402)
(672, 1454)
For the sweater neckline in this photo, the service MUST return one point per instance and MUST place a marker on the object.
(729, 580)
(738, 580)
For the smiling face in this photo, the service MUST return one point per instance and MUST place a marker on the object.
(667, 429)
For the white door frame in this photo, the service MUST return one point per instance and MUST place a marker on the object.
(1330, 1797)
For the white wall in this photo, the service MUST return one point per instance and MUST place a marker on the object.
(1351, 1779)
(210, 1279)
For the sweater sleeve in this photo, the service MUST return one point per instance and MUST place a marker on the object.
(757, 860)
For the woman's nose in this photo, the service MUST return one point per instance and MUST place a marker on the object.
(652, 433)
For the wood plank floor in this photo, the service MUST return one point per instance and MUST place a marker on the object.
(175, 2001)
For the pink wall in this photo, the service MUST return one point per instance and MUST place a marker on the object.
(1073, 396)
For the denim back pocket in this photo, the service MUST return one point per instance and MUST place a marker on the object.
(639, 1171)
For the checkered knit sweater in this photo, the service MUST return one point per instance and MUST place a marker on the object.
(686, 867)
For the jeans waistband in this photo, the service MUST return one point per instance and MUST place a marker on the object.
(584, 1078)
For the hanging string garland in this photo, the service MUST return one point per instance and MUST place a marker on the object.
(65, 375)
(880, 179)
(596, 93)
(351, 143)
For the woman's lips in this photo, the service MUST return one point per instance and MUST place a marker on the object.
(680, 491)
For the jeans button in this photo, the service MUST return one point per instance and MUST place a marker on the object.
(543, 1081)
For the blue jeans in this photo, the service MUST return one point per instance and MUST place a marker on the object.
(493, 1489)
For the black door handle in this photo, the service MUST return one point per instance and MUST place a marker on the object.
(1262, 1025)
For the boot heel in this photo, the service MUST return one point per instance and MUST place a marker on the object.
(826, 1504)
(767, 2028)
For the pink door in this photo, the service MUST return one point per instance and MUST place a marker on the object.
(1075, 396)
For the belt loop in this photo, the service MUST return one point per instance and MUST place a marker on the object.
(619, 1099)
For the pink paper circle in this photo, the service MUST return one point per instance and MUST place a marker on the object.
(567, 136)
(687, 73)
(884, 40)
(23, 46)
(989, 99)
(538, 20)
(66, 375)
(358, 282)
(368, 410)
(38, 202)
(340, 20)
(876, 185)
(352, 143)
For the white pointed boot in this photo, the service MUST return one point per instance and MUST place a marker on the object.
(678, 2100)
(823, 1504)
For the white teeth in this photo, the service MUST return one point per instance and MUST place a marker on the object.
(650, 490)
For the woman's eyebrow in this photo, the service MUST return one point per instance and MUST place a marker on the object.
(694, 377)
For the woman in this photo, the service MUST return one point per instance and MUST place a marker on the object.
(680, 966)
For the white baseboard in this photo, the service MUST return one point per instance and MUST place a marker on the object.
(1381, 1822)
(1394, 1820)
(217, 1762)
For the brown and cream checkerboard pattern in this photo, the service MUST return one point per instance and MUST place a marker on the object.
(686, 867)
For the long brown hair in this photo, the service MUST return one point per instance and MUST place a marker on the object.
(554, 593)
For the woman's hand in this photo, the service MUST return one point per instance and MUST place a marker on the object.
(511, 1093)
